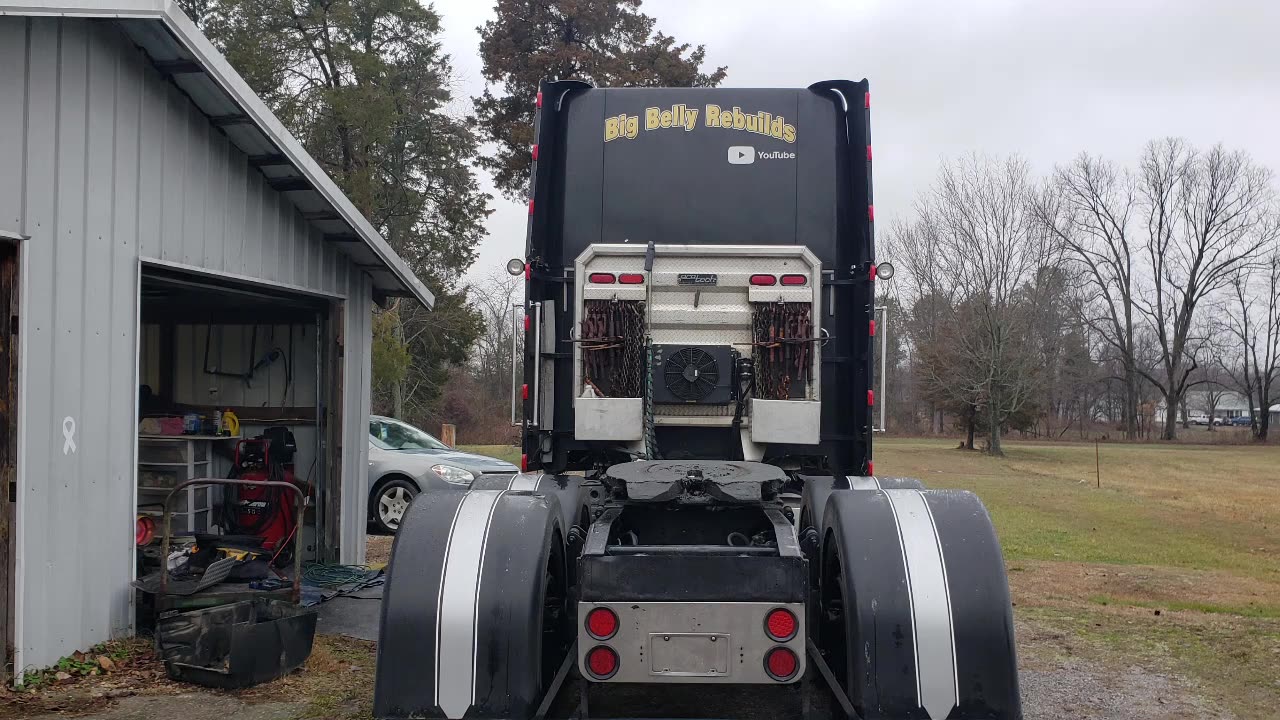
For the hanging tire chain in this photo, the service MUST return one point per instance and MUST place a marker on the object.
(782, 335)
(613, 346)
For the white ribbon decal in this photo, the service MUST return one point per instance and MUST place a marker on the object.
(68, 435)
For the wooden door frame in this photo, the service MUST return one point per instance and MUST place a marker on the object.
(11, 255)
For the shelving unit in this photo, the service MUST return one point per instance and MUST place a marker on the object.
(166, 461)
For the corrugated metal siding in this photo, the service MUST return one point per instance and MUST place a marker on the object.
(103, 164)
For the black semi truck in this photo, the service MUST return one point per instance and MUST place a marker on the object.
(698, 530)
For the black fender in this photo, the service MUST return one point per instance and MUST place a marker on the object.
(566, 489)
(927, 621)
(817, 488)
(462, 609)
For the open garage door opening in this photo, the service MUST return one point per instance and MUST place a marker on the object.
(236, 381)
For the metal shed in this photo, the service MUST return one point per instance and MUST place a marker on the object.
(131, 153)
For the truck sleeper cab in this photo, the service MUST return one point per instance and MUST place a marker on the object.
(698, 530)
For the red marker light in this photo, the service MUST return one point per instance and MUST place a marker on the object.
(866, 100)
(781, 624)
(528, 322)
(601, 278)
(781, 663)
(631, 279)
(535, 152)
(602, 623)
(871, 213)
(524, 462)
(602, 662)
(764, 280)
(871, 398)
(538, 102)
(524, 391)
(530, 206)
(873, 273)
(871, 469)
(794, 280)
(873, 328)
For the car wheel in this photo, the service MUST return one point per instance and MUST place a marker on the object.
(389, 503)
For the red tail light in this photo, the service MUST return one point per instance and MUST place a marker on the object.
(780, 624)
(602, 662)
(602, 278)
(794, 280)
(631, 279)
(781, 663)
(764, 280)
(602, 623)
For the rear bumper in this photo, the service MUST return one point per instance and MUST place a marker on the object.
(722, 643)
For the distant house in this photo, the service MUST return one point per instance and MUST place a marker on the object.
(1227, 404)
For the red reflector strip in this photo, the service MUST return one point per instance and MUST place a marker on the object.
(539, 100)
(866, 100)
(794, 280)
(601, 278)
(524, 462)
(631, 279)
(873, 328)
(528, 273)
(535, 152)
(528, 322)
(764, 280)
(871, 397)
(873, 272)
(530, 206)
(524, 391)
(871, 468)
(871, 213)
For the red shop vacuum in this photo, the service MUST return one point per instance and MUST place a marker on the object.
(265, 512)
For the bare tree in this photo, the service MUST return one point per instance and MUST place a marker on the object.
(1089, 206)
(1254, 324)
(1208, 217)
(976, 245)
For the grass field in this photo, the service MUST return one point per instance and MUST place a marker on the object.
(1172, 565)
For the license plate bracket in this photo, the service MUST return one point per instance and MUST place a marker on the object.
(690, 654)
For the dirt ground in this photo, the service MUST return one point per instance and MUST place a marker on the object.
(1156, 596)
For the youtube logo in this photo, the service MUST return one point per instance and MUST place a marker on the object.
(742, 155)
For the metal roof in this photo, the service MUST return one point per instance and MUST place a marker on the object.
(182, 53)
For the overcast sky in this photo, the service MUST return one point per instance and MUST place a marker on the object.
(1043, 79)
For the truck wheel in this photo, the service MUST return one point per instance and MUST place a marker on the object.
(914, 615)
(476, 617)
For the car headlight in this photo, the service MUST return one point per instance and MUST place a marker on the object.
(453, 474)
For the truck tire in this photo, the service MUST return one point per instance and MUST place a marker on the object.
(817, 488)
(915, 618)
(475, 614)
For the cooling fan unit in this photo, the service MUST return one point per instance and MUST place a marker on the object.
(698, 375)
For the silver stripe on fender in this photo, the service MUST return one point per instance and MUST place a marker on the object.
(459, 588)
(937, 689)
(864, 483)
(526, 481)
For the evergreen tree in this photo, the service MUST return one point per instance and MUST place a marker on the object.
(609, 43)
